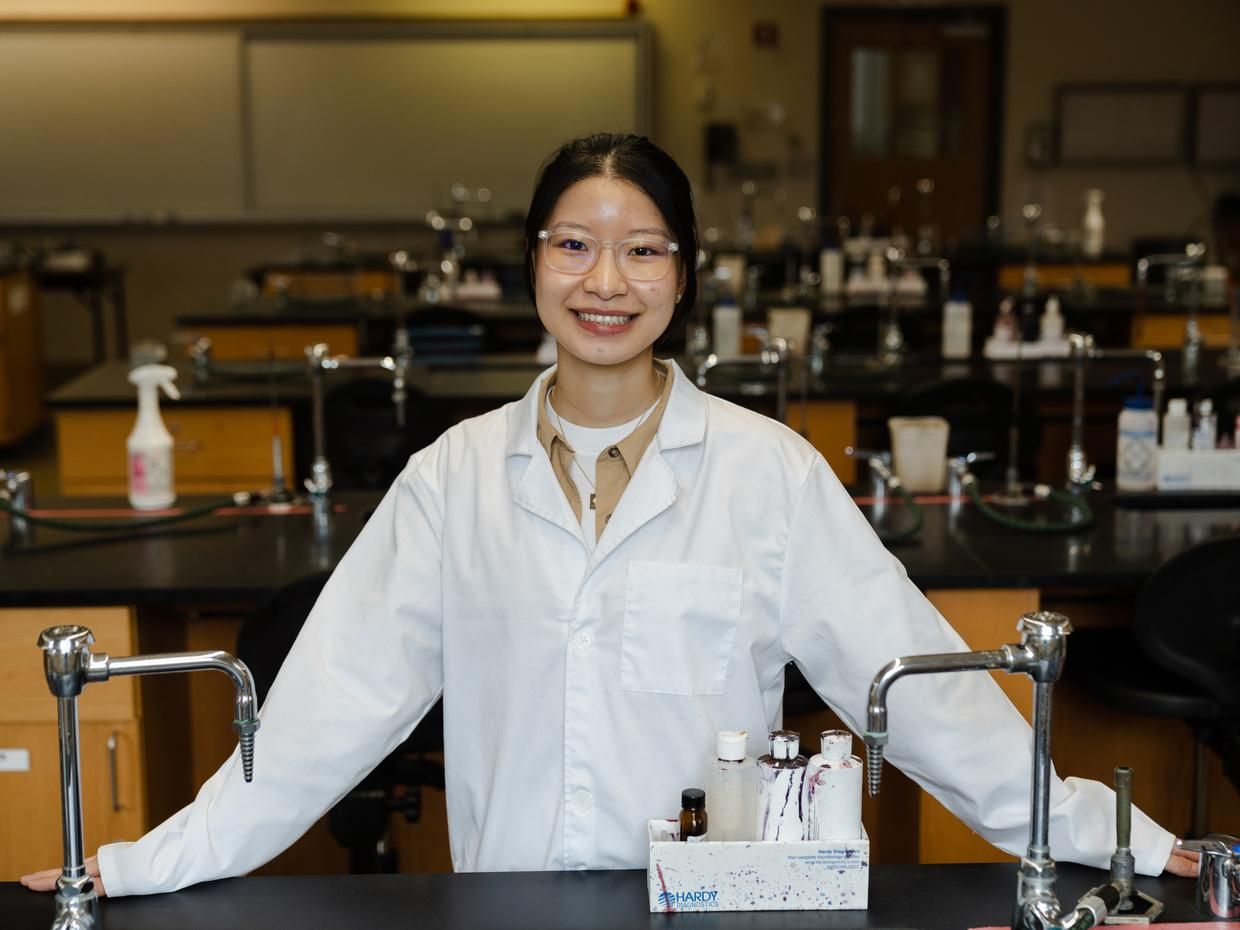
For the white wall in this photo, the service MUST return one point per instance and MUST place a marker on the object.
(704, 52)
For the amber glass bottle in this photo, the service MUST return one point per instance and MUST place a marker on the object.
(692, 815)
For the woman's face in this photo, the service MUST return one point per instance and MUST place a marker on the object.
(601, 317)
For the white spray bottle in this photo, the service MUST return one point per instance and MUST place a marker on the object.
(150, 444)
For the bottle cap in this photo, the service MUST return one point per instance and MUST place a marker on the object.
(836, 744)
(693, 799)
(1177, 406)
(730, 745)
(1052, 306)
(785, 744)
(1139, 402)
(1205, 407)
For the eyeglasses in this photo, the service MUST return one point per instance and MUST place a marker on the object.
(645, 258)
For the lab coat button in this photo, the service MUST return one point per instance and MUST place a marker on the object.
(583, 640)
(582, 801)
(613, 452)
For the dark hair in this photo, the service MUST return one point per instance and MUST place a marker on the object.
(647, 167)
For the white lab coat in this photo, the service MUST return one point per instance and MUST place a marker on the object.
(583, 688)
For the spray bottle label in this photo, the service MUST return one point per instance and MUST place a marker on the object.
(149, 474)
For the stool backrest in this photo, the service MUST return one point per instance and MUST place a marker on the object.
(1188, 618)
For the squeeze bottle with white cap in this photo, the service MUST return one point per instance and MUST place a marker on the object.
(781, 787)
(733, 788)
(833, 790)
(150, 444)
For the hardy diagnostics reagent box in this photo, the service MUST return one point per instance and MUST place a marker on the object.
(811, 875)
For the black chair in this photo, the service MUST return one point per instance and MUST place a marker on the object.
(436, 332)
(979, 412)
(359, 822)
(1227, 408)
(1180, 658)
(366, 446)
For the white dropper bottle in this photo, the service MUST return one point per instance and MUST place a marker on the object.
(149, 445)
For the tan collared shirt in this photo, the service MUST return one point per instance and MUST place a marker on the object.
(615, 465)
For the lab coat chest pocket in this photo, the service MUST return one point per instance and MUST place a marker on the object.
(679, 625)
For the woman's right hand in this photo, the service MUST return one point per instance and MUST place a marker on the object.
(46, 880)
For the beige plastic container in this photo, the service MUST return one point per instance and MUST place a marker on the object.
(919, 452)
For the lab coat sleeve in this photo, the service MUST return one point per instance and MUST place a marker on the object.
(364, 670)
(848, 608)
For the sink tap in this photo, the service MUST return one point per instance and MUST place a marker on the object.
(318, 363)
(1040, 655)
(890, 337)
(17, 488)
(1082, 350)
(1182, 267)
(773, 355)
(69, 666)
(1218, 880)
(200, 355)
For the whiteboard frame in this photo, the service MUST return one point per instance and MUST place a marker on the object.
(636, 30)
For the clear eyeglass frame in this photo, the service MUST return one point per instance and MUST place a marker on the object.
(628, 266)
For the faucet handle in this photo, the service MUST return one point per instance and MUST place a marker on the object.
(1213, 843)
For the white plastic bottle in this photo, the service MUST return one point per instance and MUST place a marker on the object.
(149, 445)
(1136, 451)
(1177, 424)
(833, 790)
(1050, 326)
(957, 327)
(831, 270)
(1093, 225)
(732, 789)
(781, 790)
(726, 324)
(1205, 433)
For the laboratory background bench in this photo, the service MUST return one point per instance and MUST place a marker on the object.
(148, 744)
(222, 427)
(902, 897)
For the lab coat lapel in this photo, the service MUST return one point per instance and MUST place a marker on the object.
(536, 490)
(652, 489)
(654, 485)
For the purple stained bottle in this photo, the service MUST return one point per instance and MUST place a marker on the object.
(781, 788)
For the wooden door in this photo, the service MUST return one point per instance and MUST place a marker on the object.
(910, 119)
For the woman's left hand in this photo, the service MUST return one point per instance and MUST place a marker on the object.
(1183, 862)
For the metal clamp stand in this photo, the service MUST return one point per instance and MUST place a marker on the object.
(69, 666)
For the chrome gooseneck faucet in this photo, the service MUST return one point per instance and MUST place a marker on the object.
(1082, 349)
(318, 363)
(890, 336)
(1181, 266)
(1040, 655)
(69, 666)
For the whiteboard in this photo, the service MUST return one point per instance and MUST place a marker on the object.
(120, 124)
(385, 125)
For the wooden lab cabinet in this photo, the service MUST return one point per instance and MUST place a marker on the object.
(114, 803)
(217, 450)
(283, 342)
(1166, 330)
(21, 357)
(1065, 276)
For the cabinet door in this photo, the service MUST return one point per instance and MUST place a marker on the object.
(24, 695)
(113, 800)
(216, 450)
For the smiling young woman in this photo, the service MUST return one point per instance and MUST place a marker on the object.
(598, 578)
